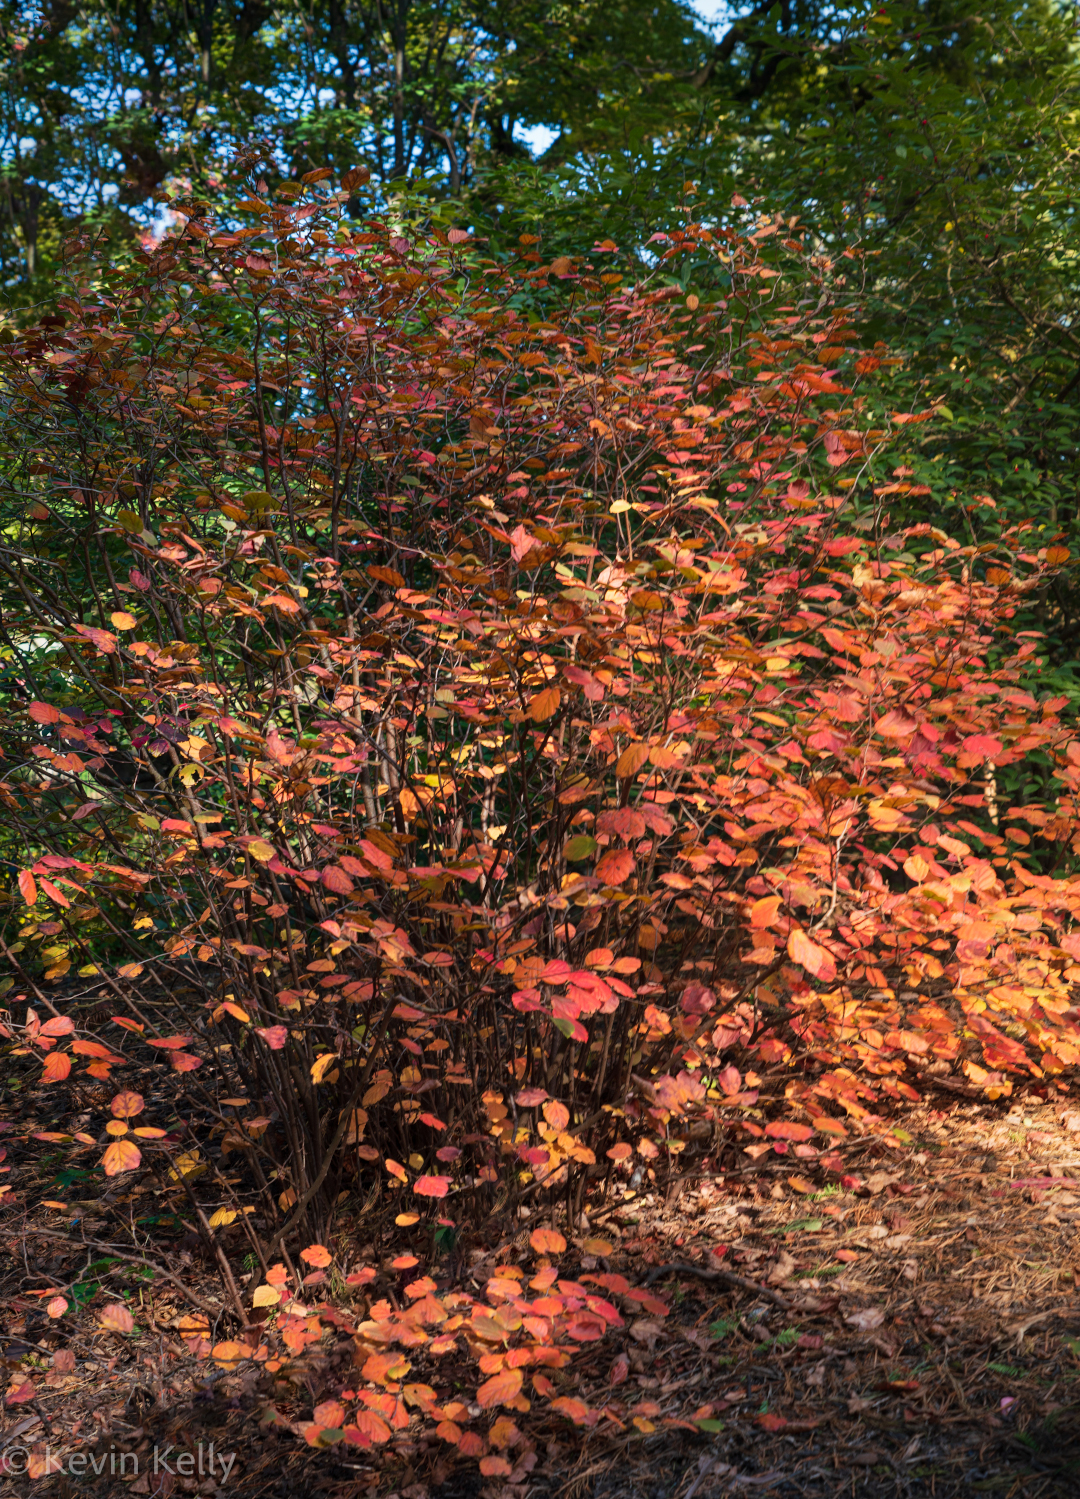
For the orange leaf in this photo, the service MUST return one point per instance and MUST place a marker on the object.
(783, 1129)
(544, 705)
(121, 1155)
(389, 575)
(817, 960)
(370, 1427)
(556, 1114)
(60, 1025)
(330, 1413)
(501, 1389)
(616, 866)
(494, 1466)
(55, 894)
(229, 1355)
(127, 1105)
(317, 1255)
(57, 1067)
(631, 760)
(763, 912)
(27, 887)
(574, 1410)
(801, 1184)
(547, 1241)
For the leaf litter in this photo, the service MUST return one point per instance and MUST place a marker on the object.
(913, 1332)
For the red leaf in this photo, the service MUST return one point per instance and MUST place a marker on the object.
(431, 1186)
(521, 543)
(624, 822)
(56, 895)
(984, 745)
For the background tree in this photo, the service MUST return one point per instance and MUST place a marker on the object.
(102, 107)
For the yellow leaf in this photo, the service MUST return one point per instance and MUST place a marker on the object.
(121, 620)
(222, 1217)
(185, 1164)
(321, 1065)
(261, 850)
(266, 1296)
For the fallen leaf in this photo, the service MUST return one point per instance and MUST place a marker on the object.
(547, 1241)
(116, 1318)
(500, 1389)
(866, 1319)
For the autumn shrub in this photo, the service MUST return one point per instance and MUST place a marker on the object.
(456, 754)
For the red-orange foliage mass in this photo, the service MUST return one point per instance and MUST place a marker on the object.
(496, 694)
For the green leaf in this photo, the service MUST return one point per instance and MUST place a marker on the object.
(581, 847)
(801, 1225)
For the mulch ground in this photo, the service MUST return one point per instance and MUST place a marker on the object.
(922, 1337)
